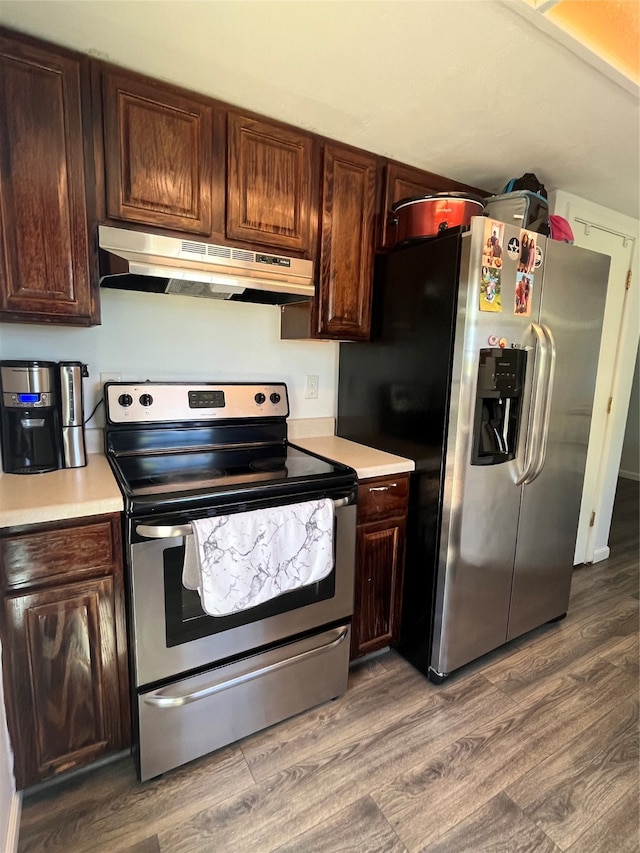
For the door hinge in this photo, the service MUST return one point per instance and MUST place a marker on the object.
(592, 520)
(609, 405)
(628, 282)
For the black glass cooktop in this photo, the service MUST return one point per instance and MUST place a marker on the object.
(188, 470)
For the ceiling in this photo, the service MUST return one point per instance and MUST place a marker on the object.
(478, 90)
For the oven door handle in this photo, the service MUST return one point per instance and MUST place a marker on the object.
(171, 531)
(161, 700)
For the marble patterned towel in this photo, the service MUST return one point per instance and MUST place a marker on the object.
(241, 560)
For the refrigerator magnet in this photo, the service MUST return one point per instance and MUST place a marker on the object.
(490, 290)
(528, 246)
(539, 257)
(492, 247)
(524, 290)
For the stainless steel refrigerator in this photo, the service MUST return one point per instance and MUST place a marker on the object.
(481, 369)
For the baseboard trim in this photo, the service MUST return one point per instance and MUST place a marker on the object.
(13, 828)
(629, 475)
(601, 554)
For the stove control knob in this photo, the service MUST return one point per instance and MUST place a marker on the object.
(146, 399)
(275, 398)
(260, 398)
(125, 400)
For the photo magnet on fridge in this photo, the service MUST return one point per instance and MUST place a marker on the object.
(490, 290)
(528, 249)
(492, 258)
(524, 292)
(492, 249)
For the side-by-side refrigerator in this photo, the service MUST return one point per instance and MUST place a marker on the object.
(481, 369)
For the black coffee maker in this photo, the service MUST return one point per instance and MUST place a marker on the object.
(30, 416)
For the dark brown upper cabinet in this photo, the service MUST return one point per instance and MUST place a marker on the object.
(158, 154)
(347, 230)
(46, 176)
(83, 141)
(270, 184)
(408, 182)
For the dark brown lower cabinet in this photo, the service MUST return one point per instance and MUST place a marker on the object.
(380, 549)
(64, 651)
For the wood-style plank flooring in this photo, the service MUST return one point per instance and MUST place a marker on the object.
(533, 748)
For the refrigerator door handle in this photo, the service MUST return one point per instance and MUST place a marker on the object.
(536, 444)
(543, 438)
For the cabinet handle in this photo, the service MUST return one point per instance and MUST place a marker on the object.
(383, 488)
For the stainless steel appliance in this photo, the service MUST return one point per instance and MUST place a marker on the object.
(186, 451)
(482, 369)
(30, 413)
(72, 413)
(137, 260)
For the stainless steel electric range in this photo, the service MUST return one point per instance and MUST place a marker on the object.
(182, 452)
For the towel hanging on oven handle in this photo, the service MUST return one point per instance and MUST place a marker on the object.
(171, 531)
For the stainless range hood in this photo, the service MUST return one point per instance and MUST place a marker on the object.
(135, 260)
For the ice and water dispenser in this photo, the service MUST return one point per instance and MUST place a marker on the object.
(501, 376)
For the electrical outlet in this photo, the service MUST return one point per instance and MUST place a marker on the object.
(311, 392)
(110, 377)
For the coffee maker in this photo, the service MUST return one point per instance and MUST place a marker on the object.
(30, 417)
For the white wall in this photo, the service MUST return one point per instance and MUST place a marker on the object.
(159, 336)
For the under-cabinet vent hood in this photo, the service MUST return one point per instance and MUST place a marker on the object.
(135, 260)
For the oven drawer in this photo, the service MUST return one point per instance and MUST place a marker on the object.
(199, 714)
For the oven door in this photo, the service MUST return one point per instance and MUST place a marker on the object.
(172, 635)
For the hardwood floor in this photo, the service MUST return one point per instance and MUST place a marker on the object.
(533, 748)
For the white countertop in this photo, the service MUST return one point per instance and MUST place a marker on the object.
(77, 492)
(367, 461)
(68, 493)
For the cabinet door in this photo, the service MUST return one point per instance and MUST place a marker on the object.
(44, 246)
(349, 192)
(62, 677)
(158, 152)
(269, 191)
(408, 182)
(379, 566)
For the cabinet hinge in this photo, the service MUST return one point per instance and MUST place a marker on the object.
(609, 405)
(628, 282)
(592, 520)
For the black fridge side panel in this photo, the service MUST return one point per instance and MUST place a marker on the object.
(423, 536)
(393, 394)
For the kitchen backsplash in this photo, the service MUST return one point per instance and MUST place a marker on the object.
(171, 337)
